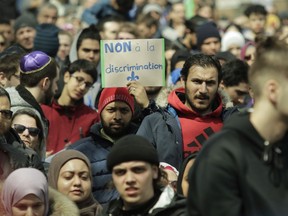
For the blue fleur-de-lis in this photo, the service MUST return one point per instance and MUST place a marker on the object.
(132, 77)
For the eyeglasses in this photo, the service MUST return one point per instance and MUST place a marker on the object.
(82, 81)
(6, 113)
(21, 128)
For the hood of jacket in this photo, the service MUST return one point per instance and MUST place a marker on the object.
(73, 50)
(177, 97)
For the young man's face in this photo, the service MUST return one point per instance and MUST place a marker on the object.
(237, 93)
(201, 88)
(7, 31)
(89, 50)
(77, 84)
(116, 118)
(211, 46)
(257, 22)
(25, 37)
(134, 182)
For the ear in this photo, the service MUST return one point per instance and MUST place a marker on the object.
(3, 79)
(183, 81)
(272, 90)
(66, 77)
(221, 85)
(155, 170)
(45, 83)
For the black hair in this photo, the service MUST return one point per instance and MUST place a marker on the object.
(235, 72)
(84, 66)
(256, 9)
(201, 60)
(32, 79)
(90, 32)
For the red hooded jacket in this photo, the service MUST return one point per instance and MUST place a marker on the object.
(195, 128)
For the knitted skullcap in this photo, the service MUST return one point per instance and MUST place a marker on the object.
(25, 20)
(109, 95)
(46, 39)
(232, 38)
(206, 30)
(132, 148)
(34, 62)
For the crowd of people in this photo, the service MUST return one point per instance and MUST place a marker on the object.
(211, 142)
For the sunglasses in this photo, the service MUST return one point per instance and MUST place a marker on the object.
(6, 114)
(21, 128)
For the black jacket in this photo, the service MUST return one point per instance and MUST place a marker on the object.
(231, 178)
(164, 203)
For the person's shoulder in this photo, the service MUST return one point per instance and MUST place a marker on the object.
(81, 143)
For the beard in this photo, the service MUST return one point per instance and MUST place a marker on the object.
(115, 133)
(152, 90)
(48, 96)
(4, 126)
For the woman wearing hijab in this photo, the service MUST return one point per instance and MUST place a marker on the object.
(25, 191)
(70, 174)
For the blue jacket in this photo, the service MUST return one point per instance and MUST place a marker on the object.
(96, 149)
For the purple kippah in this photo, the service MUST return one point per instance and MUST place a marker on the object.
(34, 62)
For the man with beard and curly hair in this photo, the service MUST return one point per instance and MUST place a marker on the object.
(116, 108)
(193, 113)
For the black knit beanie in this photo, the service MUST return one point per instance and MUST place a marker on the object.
(46, 39)
(205, 31)
(132, 148)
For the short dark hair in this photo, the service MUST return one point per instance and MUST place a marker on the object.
(235, 72)
(4, 93)
(84, 66)
(32, 79)
(201, 60)
(90, 32)
(9, 64)
(256, 9)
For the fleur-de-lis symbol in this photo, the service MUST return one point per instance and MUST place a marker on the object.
(132, 77)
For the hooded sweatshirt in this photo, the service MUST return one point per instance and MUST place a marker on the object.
(195, 127)
(237, 174)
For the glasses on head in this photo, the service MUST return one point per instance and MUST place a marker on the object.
(6, 114)
(82, 81)
(21, 128)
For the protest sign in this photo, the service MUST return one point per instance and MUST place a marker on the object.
(142, 60)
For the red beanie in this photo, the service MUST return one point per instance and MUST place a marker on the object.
(109, 95)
